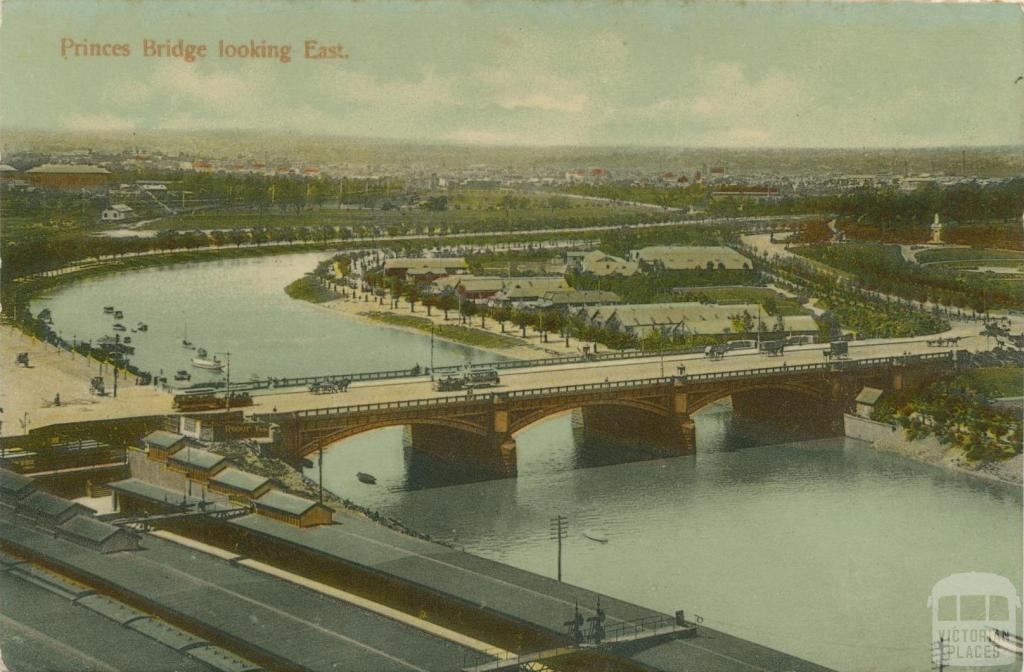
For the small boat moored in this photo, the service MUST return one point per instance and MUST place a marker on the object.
(595, 536)
(183, 375)
(119, 327)
(118, 314)
(369, 479)
(108, 309)
(142, 326)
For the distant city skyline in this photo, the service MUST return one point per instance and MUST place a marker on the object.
(527, 74)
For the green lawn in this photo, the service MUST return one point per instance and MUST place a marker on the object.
(762, 295)
(969, 254)
(997, 382)
(307, 288)
(452, 332)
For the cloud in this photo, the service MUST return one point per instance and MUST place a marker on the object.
(428, 90)
(99, 122)
(217, 88)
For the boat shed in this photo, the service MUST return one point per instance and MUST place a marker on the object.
(50, 510)
(159, 445)
(198, 464)
(293, 510)
(14, 486)
(97, 535)
(240, 486)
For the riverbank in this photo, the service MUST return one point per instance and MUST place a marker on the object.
(929, 450)
(488, 337)
(308, 289)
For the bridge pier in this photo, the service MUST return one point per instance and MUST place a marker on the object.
(670, 436)
(494, 454)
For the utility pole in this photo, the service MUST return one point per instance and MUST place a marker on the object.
(227, 382)
(559, 530)
(939, 655)
(320, 461)
(431, 351)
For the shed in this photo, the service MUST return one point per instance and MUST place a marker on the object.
(97, 535)
(50, 510)
(293, 510)
(159, 445)
(867, 400)
(240, 486)
(198, 464)
(14, 486)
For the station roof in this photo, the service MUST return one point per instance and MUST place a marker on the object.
(51, 505)
(13, 483)
(240, 480)
(87, 527)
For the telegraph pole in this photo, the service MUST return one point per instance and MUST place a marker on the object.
(559, 530)
(320, 460)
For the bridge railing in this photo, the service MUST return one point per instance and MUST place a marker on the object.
(537, 392)
(847, 365)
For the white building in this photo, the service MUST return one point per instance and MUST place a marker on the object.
(118, 212)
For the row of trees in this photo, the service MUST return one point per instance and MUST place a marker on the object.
(958, 414)
(881, 268)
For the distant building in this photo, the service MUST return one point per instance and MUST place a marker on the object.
(574, 298)
(528, 291)
(425, 268)
(293, 510)
(601, 264)
(686, 318)
(470, 287)
(119, 212)
(98, 535)
(739, 193)
(8, 172)
(684, 258)
(68, 176)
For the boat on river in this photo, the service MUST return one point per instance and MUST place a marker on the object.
(119, 327)
(118, 314)
(183, 375)
(595, 536)
(203, 361)
(369, 479)
(108, 309)
(142, 326)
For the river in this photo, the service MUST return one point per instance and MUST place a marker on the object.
(820, 547)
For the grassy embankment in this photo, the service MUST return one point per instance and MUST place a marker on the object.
(451, 332)
(996, 382)
(307, 288)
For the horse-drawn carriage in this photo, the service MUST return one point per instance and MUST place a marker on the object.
(330, 386)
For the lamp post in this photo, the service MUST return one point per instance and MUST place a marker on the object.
(227, 382)
(559, 531)
(431, 351)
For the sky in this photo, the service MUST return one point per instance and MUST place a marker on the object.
(548, 72)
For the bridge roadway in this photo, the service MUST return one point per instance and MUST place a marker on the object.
(29, 392)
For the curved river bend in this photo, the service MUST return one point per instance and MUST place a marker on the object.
(822, 548)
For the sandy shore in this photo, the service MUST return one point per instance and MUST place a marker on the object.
(529, 348)
(27, 394)
(930, 451)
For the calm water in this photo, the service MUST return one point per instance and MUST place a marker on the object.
(238, 306)
(822, 548)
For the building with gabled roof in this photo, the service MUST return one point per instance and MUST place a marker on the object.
(293, 510)
(197, 464)
(68, 176)
(98, 535)
(240, 486)
(14, 486)
(602, 264)
(160, 444)
(686, 258)
(50, 510)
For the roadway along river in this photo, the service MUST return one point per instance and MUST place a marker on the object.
(822, 548)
